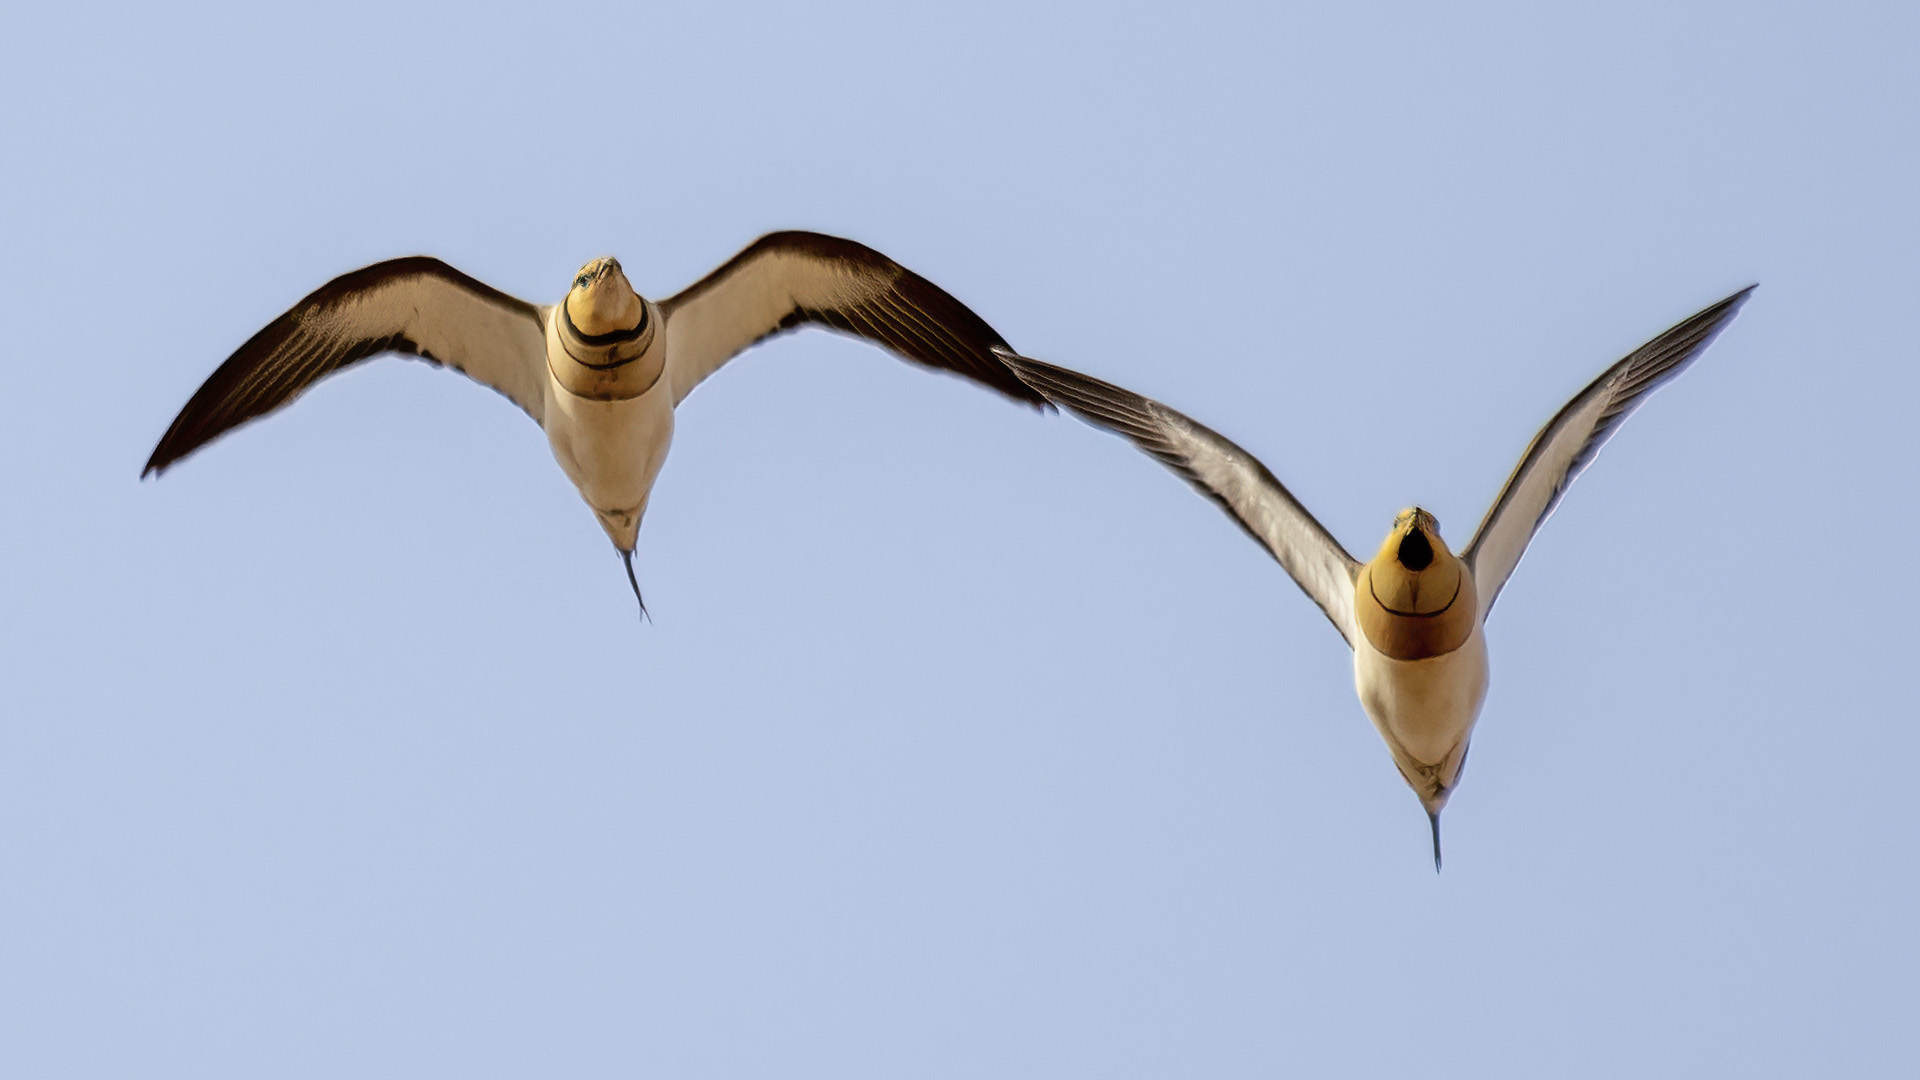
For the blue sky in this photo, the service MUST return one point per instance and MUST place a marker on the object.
(966, 742)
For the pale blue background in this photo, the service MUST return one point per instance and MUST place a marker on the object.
(967, 742)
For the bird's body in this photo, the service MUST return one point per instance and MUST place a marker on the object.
(1424, 709)
(609, 414)
(604, 370)
(1420, 654)
(613, 452)
(1415, 616)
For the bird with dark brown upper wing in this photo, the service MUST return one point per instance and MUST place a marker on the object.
(604, 370)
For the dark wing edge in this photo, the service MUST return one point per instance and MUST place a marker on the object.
(280, 362)
(909, 316)
(1219, 469)
(1568, 444)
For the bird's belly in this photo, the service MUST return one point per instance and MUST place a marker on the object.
(1427, 706)
(611, 450)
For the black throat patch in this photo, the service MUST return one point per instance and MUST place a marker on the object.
(1415, 553)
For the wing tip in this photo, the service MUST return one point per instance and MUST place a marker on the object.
(1035, 400)
(1738, 299)
(172, 448)
(1037, 375)
(1022, 370)
(1025, 393)
(1706, 324)
(1719, 314)
(158, 461)
(1083, 395)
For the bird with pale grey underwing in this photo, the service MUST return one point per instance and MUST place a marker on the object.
(1414, 614)
(604, 370)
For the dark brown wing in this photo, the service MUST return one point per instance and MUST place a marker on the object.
(418, 306)
(788, 279)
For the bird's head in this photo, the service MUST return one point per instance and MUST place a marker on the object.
(602, 302)
(1416, 598)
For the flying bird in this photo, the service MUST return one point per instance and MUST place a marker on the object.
(604, 370)
(1413, 614)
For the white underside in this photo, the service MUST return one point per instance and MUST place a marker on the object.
(1426, 707)
(612, 451)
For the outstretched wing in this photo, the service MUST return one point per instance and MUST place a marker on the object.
(1219, 470)
(417, 305)
(788, 279)
(1568, 443)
